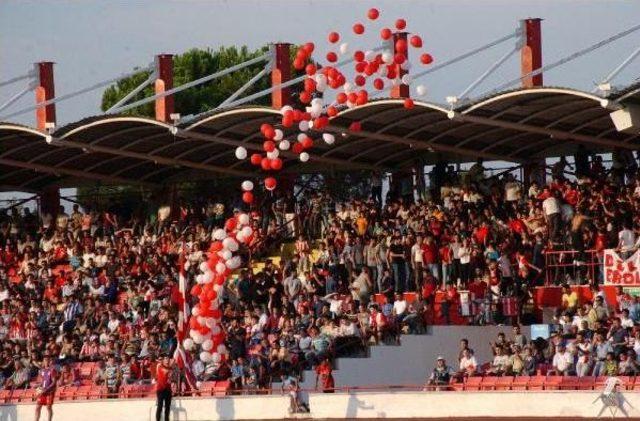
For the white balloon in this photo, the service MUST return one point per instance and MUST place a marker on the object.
(230, 243)
(284, 145)
(243, 219)
(316, 102)
(216, 357)
(220, 267)
(210, 322)
(247, 231)
(328, 138)
(247, 185)
(241, 152)
(215, 330)
(188, 344)
(205, 356)
(311, 122)
(234, 262)
(348, 87)
(304, 157)
(207, 277)
(387, 57)
(207, 345)
(278, 134)
(421, 90)
(203, 267)
(240, 237)
(286, 108)
(321, 82)
(301, 137)
(198, 338)
(221, 349)
(303, 125)
(350, 104)
(344, 47)
(195, 311)
(219, 234)
(406, 65)
(201, 320)
(273, 154)
(406, 79)
(225, 254)
(369, 55)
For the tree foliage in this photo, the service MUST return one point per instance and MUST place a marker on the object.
(192, 65)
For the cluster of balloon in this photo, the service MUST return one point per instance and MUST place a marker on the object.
(381, 70)
(205, 330)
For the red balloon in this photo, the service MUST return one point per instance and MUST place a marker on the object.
(426, 58)
(385, 33)
(408, 103)
(361, 66)
(301, 54)
(305, 97)
(287, 121)
(309, 85)
(378, 84)
(230, 224)
(332, 57)
(355, 126)
(353, 97)
(219, 279)
(310, 69)
(358, 29)
(401, 45)
(321, 121)
(265, 164)
(270, 183)
(247, 197)
(264, 127)
(332, 111)
(269, 146)
(309, 47)
(371, 68)
(391, 72)
(401, 24)
(334, 37)
(341, 98)
(215, 246)
(276, 164)
(256, 158)
(196, 290)
(399, 58)
(269, 132)
(416, 41)
(297, 148)
(358, 56)
(360, 80)
(298, 63)
(373, 13)
(297, 115)
(307, 142)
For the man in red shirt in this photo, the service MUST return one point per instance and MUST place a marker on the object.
(430, 256)
(163, 387)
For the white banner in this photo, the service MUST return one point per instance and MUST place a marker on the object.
(621, 272)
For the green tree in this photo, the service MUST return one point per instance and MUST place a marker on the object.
(192, 65)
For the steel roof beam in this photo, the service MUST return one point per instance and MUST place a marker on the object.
(558, 134)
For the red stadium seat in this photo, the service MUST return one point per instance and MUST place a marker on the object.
(520, 383)
(504, 383)
(553, 382)
(83, 392)
(206, 388)
(488, 383)
(221, 388)
(536, 383)
(5, 395)
(86, 370)
(577, 383)
(473, 383)
(456, 384)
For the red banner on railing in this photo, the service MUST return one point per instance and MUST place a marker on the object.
(621, 272)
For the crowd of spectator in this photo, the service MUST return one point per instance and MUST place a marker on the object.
(101, 287)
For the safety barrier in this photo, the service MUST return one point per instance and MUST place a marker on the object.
(578, 266)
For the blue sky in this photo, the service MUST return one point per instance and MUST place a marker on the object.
(93, 40)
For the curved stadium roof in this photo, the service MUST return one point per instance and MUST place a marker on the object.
(511, 126)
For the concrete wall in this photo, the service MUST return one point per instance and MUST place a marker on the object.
(413, 361)
(552, 405)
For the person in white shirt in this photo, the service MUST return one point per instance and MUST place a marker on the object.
(552, 213)
(468, 363)
(626, 241)
(400, 307)
(512, 190)
(562, 361)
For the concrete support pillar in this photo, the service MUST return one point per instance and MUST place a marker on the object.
(280, 73)
(531, 52)
(401, 90)
(44, 92)
(164, 82)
